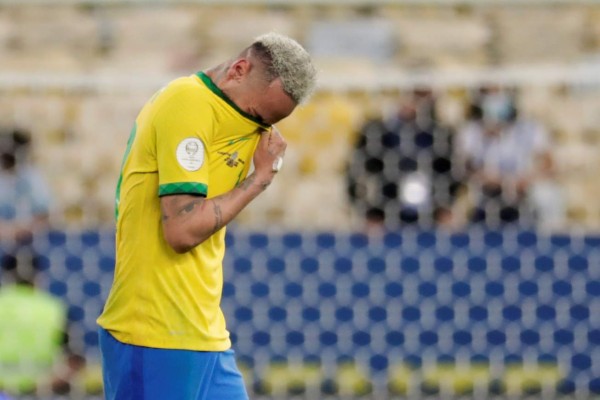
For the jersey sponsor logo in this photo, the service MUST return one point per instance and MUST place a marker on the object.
(190, 154)
(232, 159)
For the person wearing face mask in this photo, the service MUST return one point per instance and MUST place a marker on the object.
(507, 161)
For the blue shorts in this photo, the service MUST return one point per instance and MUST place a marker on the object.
(144, 373)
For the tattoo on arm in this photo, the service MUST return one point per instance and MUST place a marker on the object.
(249, 181)
(246, 183)
(218, 217)
(187, 208)
(180, 210)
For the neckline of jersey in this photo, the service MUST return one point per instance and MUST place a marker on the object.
(215, 89)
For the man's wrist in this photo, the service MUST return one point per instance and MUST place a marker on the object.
(257, 180)
(263, 179)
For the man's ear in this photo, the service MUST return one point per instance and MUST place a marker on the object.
(239, 69)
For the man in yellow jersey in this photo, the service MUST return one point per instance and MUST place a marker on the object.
(184, 177)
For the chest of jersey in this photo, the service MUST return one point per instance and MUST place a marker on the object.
(230, 160)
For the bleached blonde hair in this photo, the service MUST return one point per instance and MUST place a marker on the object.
(286, 59)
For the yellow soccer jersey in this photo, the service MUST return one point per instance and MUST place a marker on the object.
(188, 139)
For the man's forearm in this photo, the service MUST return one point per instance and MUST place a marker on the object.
(188, 221)
(227, 206)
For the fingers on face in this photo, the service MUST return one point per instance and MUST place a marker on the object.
(275, 132)
(273, 141)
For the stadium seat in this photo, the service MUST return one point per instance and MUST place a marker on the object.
(527, 239)
(352, 380)
(361, 338)
(360, 290)
(293, 289)
(511, 264)
(560, 241)
(394, 289)
(578, 263)
(563, 337)
(528, 288)
(106, 263)
(519, 379)
(512, 313)
(496, 337)
(342, 265)
(57, 238)
(228, 290)
(311, 314)
(461, 289)
(292, 240)
(478, 313)
(460, 240)
(592, 241)
(327, 290)
(359, 240)
(544, 263)
(426, 240)
(493, 239)
(545, 312)
(292, 378)
(409, 264)
(277, 314)
(392, 240)
(325, 240)
(592, 288)
(309, 265)
(443, 265)
(259, 289)
(275, 265)
(242, 265)
(451, 379)
(90, 238)
(376, 265)
(258, 240)
(562, 288)
(428, 338)
(477, 264)
(442, 313)
(462, 338)
(402, 379)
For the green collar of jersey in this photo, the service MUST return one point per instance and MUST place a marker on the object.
(215, 89)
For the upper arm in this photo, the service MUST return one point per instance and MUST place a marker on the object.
(176, 214)
(183, 126)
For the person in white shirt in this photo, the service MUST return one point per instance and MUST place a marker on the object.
(507, 160)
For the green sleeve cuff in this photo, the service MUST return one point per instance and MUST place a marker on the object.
(183, 188)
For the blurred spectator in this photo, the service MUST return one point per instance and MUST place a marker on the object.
(24, 202)
(34, 353)
(32, 322)
(400, 172)
(508, 164)
(31, 325)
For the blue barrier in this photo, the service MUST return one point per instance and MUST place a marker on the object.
(409, 297)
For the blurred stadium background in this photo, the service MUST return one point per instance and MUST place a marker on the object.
(319, 308)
